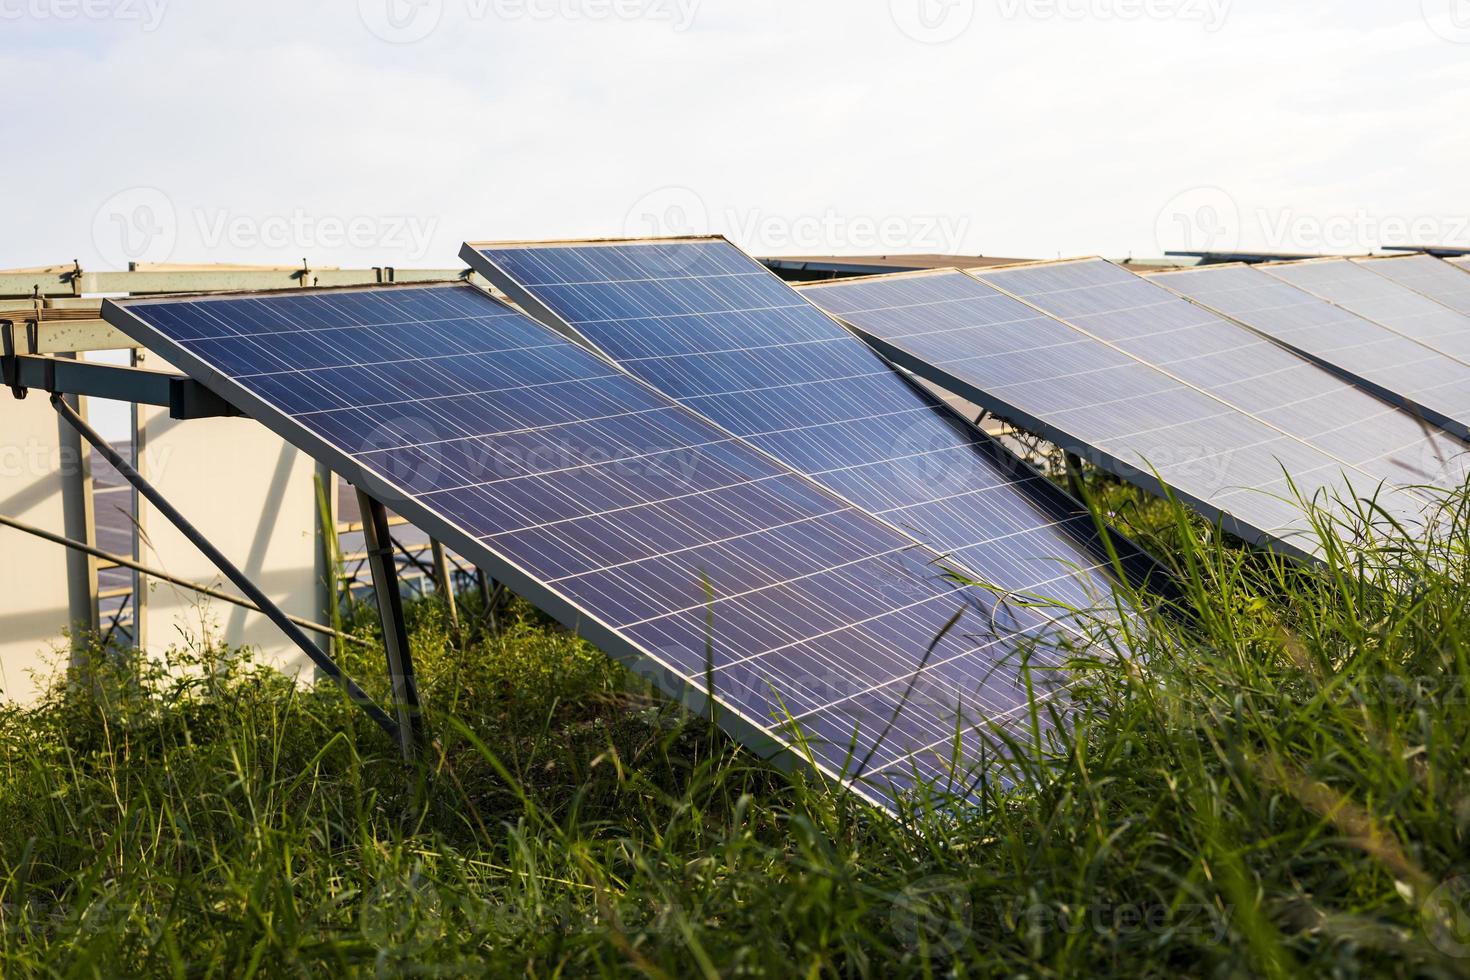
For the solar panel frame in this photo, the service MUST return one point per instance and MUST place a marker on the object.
(1394, 306)
(1366, 375)
(1426, 275)
(1138, 567)
(1069, 439)
(752, 734)
(1237, 386)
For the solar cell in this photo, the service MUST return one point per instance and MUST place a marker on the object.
(1381, 300)
(1426, 275)
(1240, 367)
(711, 327)
(1093, 399)
(675, 547)
(1423, 380)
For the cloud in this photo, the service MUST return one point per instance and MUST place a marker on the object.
(1040, 128)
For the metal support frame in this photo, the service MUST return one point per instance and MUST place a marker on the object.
(234, 574)
(71, 281)
(327, 554)
(444, 582)
(1074, 476)
(47, 311)
(184, 397)
(79, 520)
(138, 430)
(395, 629)
(1207, 257)
(1438, 251)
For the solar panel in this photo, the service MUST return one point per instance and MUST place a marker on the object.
(1381, 300)
(1240, 367)
(675, 547)
(1091, 398)
(709, 326)
(1423, 380)
(1426, 275)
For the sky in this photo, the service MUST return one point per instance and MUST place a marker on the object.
(386, 132)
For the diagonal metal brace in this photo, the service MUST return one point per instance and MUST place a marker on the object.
(242, 581)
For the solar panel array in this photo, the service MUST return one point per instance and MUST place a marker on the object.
(1240, 367)
(1092, 398)
(1426, 381)
(1426, 275)
(1354, 288)
(672, 545)
(711, 327)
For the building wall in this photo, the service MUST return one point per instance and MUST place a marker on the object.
(34, 605)
(254, 497)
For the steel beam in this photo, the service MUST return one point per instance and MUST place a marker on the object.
(75, 283)
(1438, 251)
(184, 397)
(138, 533)
(327, 554)
(1250, 258)
(65, 336)
(79, 522)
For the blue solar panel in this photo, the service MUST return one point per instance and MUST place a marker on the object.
(674, 546)
(1428, 383)
(1240, 367)
(1426, 275)
(1091, 398)
(709, 326)
(1381, 300)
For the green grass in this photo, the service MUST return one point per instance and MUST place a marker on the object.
(1276, 782)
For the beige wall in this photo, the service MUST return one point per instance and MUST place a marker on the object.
(33, 584)
(249, 492)
(254, 497)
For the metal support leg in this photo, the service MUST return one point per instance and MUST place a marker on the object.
(326, 553)
(444, 582)
(489, 598)
(239, 578)
(139, 513)
(395, 631)
(1074, 476)
(76, 506)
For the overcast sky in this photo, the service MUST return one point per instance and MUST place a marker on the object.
(388, 131)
